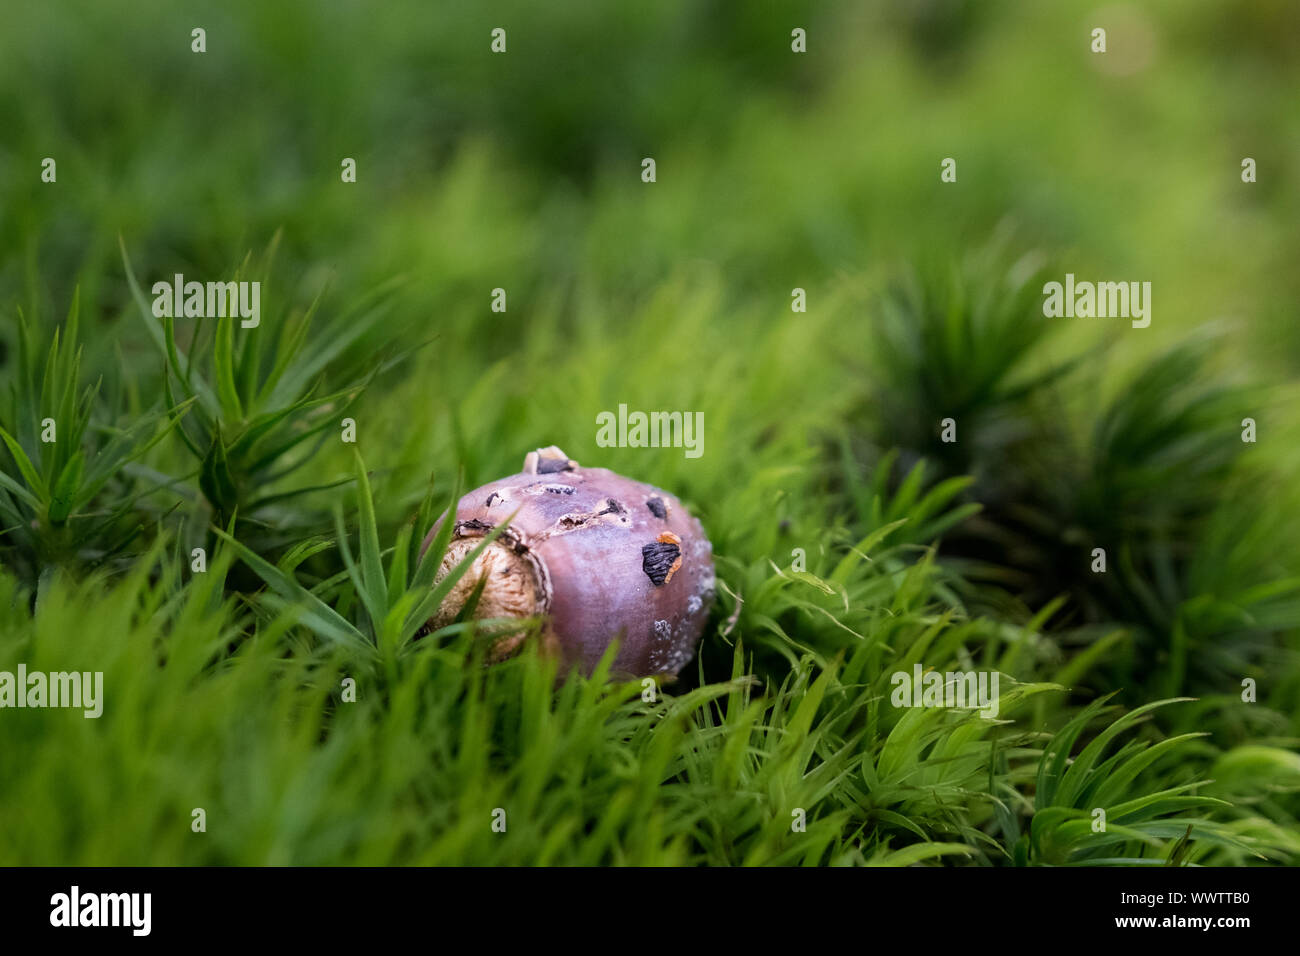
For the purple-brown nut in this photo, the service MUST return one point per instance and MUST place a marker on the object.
(596, 555)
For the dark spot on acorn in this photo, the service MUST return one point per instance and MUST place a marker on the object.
(560, 489)
(473, 524)
(656, 506)
(550, 466)
(661, 558)
(612, 507)
(491, 498)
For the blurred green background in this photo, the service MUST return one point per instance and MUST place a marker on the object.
(775, 169)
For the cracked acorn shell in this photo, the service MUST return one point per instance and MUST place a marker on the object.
(596, 555)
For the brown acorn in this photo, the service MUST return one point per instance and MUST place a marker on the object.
(596, 555)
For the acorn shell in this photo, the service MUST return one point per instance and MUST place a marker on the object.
(600, 556)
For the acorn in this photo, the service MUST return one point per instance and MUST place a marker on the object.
(596, 556)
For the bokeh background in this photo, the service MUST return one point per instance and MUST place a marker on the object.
(776, 169)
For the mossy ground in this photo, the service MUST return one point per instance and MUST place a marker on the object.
(775, 171)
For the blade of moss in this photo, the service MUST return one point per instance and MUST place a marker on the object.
(160, 338)
(372, 567)
(29, 472)
(325, 619)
